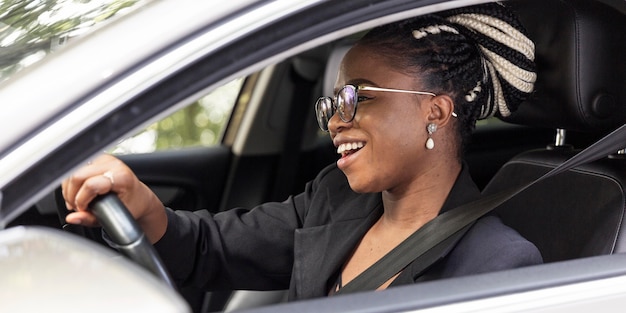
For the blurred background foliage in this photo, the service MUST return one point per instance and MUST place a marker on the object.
(200, 124)
(30, 30)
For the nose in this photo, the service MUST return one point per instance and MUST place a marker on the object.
(336, 124)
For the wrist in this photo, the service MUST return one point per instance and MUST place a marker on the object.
(154, 223)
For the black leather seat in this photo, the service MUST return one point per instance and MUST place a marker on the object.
(580, 88)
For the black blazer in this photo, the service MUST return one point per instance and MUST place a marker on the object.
(303, 242)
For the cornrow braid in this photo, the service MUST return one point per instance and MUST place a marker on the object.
(435, 29)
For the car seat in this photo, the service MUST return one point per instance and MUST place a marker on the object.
(579, 90)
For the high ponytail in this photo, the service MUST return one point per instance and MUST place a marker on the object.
(480, 56)
(507, 51)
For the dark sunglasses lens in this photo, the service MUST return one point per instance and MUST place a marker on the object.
(346, 103)
(324, 111)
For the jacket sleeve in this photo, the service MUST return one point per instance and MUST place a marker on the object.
(238, 248)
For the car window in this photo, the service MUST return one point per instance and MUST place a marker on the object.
(30, 30)
(200, 124)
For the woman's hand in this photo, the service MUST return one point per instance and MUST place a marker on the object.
(109, 174)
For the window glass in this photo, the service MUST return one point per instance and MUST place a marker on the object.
(490, 122)
(32, 29)
(200, 124)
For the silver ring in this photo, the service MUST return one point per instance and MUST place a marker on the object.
(109, 175)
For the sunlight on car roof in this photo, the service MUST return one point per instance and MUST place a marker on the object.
(30, 30)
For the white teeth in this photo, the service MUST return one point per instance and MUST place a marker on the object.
(349, 146)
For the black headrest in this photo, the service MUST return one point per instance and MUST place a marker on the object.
(580, 51)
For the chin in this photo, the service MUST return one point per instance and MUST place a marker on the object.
(360, 186)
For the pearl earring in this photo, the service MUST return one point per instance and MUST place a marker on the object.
(431, 129)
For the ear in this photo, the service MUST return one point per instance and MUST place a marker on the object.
(441, 109)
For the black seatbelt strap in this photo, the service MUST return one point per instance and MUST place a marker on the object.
(446, 229)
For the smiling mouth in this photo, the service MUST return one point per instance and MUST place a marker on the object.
(348, 148)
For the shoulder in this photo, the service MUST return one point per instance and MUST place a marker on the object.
(490, 245)
(491, 231)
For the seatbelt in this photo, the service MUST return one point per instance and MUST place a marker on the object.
(444, 231)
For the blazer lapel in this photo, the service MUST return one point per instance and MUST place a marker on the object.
(321, 251)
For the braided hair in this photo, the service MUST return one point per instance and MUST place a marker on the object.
(480, 56)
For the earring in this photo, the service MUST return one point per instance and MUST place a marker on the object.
(431, 129)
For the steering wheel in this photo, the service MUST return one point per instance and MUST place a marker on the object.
(126, 236)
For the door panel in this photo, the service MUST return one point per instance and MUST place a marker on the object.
(189, 179)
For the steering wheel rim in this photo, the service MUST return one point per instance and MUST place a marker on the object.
(124, 234)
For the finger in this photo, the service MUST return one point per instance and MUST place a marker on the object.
(109, 176)
(72, 184)
(83, 218)
(91, 188)
(69, 188)
(64, 186)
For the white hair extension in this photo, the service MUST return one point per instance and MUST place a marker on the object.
(507, 35)
(519, 78)
(499, 104)
(434, 29)
(498, 30)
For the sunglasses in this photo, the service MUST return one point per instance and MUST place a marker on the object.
(346, 102)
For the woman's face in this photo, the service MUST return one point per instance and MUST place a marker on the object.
(390, 127)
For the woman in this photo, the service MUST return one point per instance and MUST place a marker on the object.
(419, 85)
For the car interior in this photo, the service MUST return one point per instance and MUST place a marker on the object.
(272, 152)
(578, 213)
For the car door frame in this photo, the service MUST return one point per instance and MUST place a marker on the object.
(48, 170)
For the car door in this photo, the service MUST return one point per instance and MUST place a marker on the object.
(182, 157)
(263, 159)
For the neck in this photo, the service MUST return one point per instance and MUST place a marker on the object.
(409, 207)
